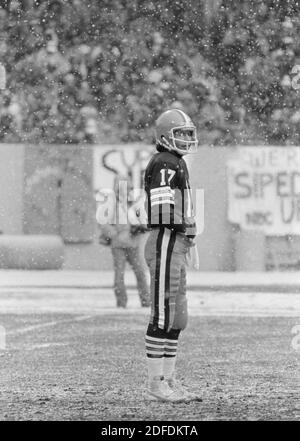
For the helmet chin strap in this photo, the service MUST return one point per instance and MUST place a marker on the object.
(165, 143)
(171, 148)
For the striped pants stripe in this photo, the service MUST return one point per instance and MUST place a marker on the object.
(165, 256)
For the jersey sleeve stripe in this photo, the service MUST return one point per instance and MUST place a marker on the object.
(162, 195)
(162, 190)
(152, 352)
(162, 202)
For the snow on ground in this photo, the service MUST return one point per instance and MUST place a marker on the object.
(101, 301)
(91, 292)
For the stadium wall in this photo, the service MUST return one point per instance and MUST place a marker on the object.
(11, 188)
(50, 190)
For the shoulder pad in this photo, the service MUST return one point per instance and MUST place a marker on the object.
(167, 159)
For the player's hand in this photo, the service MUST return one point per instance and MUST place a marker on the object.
(103, 240)
(190, 241)
(138, 229)
(192, 258)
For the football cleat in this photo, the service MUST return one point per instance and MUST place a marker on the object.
(177, 386)
(159, 390)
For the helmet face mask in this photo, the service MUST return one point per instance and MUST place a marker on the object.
(184, 139)
(176, 132)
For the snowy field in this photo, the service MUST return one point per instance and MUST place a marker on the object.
(68, 354)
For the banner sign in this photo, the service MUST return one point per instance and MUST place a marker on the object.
(264, 190)
(57, 192)
(119, 170)
(115, 162)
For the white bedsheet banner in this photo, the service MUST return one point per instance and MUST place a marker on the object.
(264, 189)
(112, 162)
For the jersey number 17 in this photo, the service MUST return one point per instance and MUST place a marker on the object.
(164, 172)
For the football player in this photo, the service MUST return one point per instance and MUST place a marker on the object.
(173, 229)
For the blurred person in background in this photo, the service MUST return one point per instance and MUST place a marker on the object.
(123, 231)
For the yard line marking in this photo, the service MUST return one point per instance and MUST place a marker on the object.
(47, 325)
(36, 346)
(88, 303)
(42, 345)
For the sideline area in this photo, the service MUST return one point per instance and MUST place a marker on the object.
(282, 281)
(90, 293)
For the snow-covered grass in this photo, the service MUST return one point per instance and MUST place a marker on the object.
(73, 367)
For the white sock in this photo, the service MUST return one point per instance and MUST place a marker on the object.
(155, 357)
(170, 360)
(155, 368)
(169, 367)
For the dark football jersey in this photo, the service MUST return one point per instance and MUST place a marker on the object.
(169, 200)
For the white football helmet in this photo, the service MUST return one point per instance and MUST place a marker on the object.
(176, 131)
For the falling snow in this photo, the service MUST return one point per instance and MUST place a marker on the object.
(93, 71)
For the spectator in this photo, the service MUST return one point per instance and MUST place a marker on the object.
(122, 232)
(75, 75)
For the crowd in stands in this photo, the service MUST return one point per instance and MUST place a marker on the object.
(102, 70)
